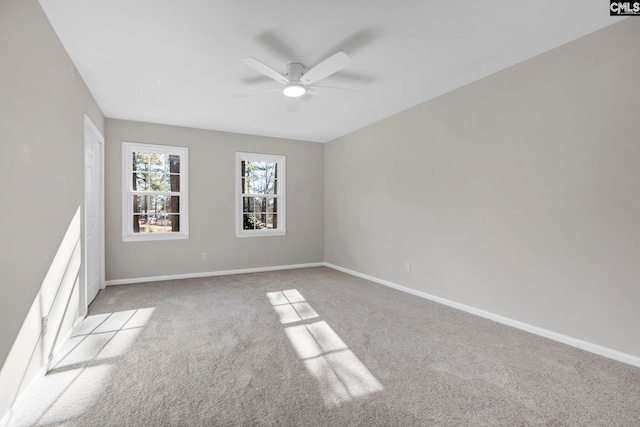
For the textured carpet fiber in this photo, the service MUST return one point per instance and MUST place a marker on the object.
(315, 347)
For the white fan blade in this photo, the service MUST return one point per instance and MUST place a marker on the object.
(332, 64)
(322, 90)
(264, 69)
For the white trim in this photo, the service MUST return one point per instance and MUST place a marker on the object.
(150, 237)
(127, 201)
(65, 339)
(259, 233)
(281, 161)
(211, 273)
(90, 127)
(565, 339)
(20, 400)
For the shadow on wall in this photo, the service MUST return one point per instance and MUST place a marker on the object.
(341, 376)
(58, 300)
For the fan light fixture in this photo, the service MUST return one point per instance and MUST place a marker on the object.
(294, 90)
(295, 80)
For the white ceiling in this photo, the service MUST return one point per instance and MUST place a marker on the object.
(178, 62)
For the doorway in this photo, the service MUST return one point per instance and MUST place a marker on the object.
(93, 213)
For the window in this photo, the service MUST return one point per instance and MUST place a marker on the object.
(260, 195)
(155, 203)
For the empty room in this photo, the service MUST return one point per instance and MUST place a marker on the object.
(304, 213)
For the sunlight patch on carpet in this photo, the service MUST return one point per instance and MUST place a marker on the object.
(291, 306)
(104, 336)
(79, 389)
(78, 377)
(341, 376)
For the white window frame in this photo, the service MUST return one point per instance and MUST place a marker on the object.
(281, 194)
(128, 148)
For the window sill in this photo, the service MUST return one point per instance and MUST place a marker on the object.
(155, 237)
(260, 233)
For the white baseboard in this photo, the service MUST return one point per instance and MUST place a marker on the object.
(5, 422)
(209, 274)
(565, 339)
(63, 341)
(574, 342)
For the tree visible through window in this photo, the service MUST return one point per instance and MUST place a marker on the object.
(261, 194)
(156, 189)
(156, 177)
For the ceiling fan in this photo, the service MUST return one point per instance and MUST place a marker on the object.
(296, 81)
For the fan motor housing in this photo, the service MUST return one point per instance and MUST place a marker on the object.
(295, 70)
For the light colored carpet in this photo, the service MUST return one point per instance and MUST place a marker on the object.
(315, 347)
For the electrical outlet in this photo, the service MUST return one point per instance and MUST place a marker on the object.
(407, 267)
(204, 256)
(45, 325)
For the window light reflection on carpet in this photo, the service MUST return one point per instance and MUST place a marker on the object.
(79, 374)
(341, 376)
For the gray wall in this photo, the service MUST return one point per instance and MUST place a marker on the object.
(42, 103)
(212, 205)
(517, 194)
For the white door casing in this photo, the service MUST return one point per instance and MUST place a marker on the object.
(93, 212)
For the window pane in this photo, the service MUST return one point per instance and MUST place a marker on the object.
(174, 164)
(263, 221)
(252, 221)
(247, 204)
(174, 223)
(272, 205)
(174, 182)
(160, 204)
(159, 181)
(256, 180)
(272, 187)
(140, 181)
(254, 169)
(140, 223)
(158, 163)
(159, 224)
(248, 169)
(260, 204)
(254, 204)
(157, 205)
(140, 161)
(270, 177)
(254, 186)
(172, 204)
(140, 204)
(246, 224)
(272, 220)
